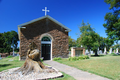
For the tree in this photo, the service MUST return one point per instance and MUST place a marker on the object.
(88, 38)
(72, 42)
(7, 40)
(95, 42)
(102, 43)
(108, 43)
(85, 37)
(1, 42)
(105, 42)
(112, 19)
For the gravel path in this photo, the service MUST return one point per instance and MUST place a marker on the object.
(74, 72)
(9, 75)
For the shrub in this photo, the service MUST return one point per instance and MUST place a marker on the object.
(9, 56)
(70, 58)
(78, 58)
(113, 54)
(57, 58)
(73, 58)
(41, 59)
(85, 57)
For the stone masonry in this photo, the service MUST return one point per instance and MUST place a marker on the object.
(34, 31)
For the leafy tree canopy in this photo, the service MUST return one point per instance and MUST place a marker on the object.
(112, 19)
(88, 38)
(91, 40)
(108, 43)
(7, 40)
(72, 42)
(1, 39)
(113, 3)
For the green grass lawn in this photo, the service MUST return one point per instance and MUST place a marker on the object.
(6, 64)
(107, 66)
(65, 77)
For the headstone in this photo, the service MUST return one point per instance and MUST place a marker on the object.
(13, 51)
(114, 51)
(98, 51)
(86, 52)
(110, 51)
(91, 52)
(17, 54)
(81, 46)
(105, 51)
(0, 56)
(117, 50)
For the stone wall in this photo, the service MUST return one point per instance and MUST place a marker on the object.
(34, 31)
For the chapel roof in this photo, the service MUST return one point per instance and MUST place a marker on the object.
(47, 16)
(38, 19)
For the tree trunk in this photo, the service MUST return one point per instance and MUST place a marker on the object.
(33, 62)
(31, 65)
(96, 53)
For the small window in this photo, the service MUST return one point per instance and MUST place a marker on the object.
(45, 39)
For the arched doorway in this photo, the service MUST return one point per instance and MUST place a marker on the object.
(46, 48)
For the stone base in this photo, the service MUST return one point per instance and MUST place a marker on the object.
(9, 75)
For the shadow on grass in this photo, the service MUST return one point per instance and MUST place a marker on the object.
(4, 65)
(98, 55)
(101, 55)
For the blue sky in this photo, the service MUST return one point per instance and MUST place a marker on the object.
(68, 12)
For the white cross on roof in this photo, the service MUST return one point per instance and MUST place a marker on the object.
(45, 10)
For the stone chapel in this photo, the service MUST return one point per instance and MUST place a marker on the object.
(50, 36)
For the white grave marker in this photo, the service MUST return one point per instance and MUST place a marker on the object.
(117, 50)
(114, 51)
(0, 57)
(98, 51)
(86, 52)
(105, 50)
(110, 50)
(81, 46)
(91, 52)
(13, 51)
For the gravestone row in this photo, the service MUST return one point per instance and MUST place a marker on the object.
(100, 51)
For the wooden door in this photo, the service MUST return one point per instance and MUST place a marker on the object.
(46, 51)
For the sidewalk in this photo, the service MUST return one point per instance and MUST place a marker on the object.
(74, 72)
